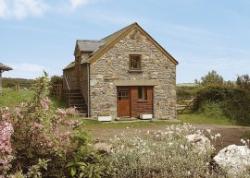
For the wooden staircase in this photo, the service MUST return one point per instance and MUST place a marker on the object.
(75, 99)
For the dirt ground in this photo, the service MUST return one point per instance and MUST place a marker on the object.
(230, 134)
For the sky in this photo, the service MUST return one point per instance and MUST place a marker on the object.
(203, 35)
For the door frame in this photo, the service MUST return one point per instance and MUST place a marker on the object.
(130, 99)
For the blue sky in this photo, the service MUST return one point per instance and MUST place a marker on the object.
(202, 35)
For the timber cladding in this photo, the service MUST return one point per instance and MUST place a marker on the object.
(141, 106)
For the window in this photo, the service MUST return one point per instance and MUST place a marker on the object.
(135, 62)
(122, 94)
(142, 93)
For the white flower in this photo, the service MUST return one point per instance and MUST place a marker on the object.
(218, 135)
(209, 130)
(243, 141)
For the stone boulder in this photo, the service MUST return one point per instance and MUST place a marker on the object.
(234, 159)
(200, 142)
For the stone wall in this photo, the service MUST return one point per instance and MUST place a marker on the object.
(114, 65)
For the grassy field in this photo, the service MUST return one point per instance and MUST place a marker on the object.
(203, 119)
(12, 97)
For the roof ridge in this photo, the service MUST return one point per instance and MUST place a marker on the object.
(116, 32)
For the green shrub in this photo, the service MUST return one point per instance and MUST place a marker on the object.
(85, 162)
(212, 110)
(243, 82)
(234, 102)
(211, 78)
(13, 82)
(56, 80)
(49, 137)
(186, 93)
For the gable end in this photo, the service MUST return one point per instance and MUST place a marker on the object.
(125, 32)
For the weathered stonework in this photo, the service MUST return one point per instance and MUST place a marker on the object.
(114, 65)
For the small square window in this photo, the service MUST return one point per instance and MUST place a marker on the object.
(142, 93)
(122, 94)
(135, 62)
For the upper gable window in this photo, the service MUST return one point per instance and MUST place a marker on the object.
(135, 62)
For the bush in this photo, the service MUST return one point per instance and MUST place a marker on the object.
(162, 154)
(186, 93)
(56, 80)
(212, 78)
(212, 110)
(234, 102)
(43, 138)
(13, 82)
(243, 82)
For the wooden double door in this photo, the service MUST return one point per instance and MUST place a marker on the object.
(134, 100)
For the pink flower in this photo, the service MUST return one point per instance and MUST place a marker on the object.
(45, 102)
(6, 130)
(37, 126)
(71, 111)
(61, 112)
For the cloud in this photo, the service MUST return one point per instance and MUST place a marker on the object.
(77, 3)
(27, 67)
(25, 70)
(19, 9)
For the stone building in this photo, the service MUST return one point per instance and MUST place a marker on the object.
(124, 75)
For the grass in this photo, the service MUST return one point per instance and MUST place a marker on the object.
(184, 118)
(56, 103)
(211, 115)
(128, 124)
(12, 97)
(200, 118)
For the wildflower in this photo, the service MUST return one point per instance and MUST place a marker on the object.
(61, 112)
(45, 102)
(243, 141)
(71, 111)
(37, 126)
(218, 135)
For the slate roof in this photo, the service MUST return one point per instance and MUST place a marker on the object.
(97, 46)
(72, 64)
(4, 67)
(88, 45)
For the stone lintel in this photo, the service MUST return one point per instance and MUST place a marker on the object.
(136, 82)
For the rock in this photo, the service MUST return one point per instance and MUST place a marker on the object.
(200, 142)
(234, 159)
(103, 147)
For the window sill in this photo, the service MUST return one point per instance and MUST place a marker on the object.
(135, 71)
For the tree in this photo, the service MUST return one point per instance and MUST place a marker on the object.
(243, 81)
(212, 78)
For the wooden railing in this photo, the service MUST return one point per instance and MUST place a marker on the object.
(57, 90)
(187, 105)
